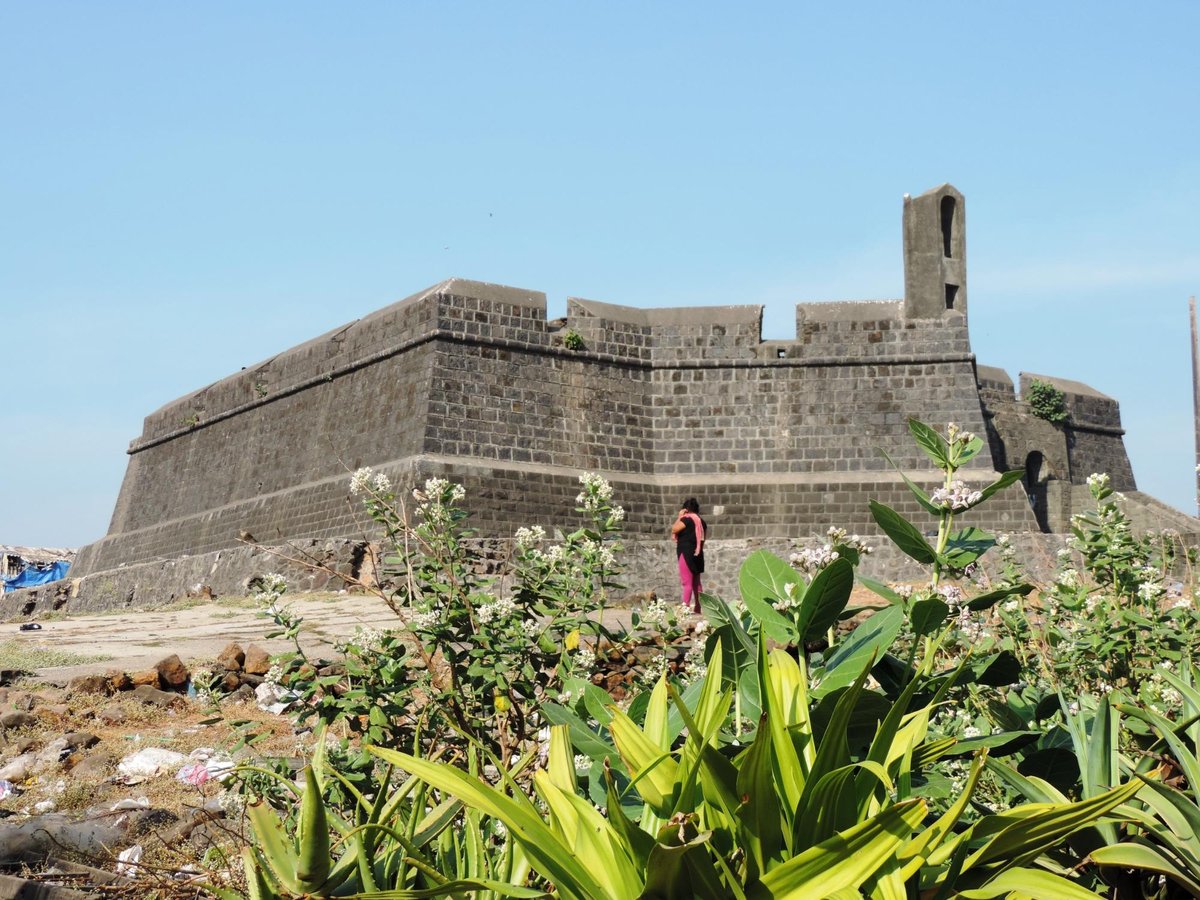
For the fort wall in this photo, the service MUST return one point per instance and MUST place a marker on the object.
(469, 381)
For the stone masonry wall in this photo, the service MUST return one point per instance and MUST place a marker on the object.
(469, 381)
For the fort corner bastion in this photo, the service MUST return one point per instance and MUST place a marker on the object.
(778, 438)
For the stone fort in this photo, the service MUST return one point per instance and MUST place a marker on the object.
(778, 438)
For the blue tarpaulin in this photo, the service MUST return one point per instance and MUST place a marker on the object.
(33, 575)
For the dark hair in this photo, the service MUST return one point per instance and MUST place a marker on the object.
(691, 505)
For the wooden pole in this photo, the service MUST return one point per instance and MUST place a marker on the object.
(1195, 394)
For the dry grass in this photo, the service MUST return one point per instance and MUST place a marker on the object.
(25, 653)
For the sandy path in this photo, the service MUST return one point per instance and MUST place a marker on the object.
(137, 639)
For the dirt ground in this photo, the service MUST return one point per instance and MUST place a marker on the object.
(197, 631)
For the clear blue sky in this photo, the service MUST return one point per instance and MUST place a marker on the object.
(186, 189)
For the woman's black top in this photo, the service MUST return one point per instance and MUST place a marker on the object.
(685, 545)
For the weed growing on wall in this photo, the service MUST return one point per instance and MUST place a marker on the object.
(1047, 402)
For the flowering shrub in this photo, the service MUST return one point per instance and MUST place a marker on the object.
(474, 655)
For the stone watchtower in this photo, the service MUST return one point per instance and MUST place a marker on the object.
(935, 254)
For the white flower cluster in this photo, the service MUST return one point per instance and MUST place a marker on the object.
(274, 675)
(527, 538)
(951, 594)
(594, 486)
(812, 560)
(955, 496)
(953, 433)
(602, 554)
(423, 620)
(270, 588)
(370, 639)
(497, 609)
(1097, 480)
(1068, 579)
(367, 481)
(788, 601)
(838, 537)
(657, 615)
(904, 591)
(584, 659)
(694, 666)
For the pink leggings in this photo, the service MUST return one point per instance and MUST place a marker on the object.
(691, 585)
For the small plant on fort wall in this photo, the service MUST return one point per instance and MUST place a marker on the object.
(1047, 402)
(573, 340)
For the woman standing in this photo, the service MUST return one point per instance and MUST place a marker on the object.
(689, 531)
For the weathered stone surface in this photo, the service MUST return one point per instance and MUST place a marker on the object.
(16, 719)
(90, 684)
(147, 694)
(172, 672)
(91, 767)
(257, 660)
(112, 715)
(81, 740)
(150, 677)
(231, 657)
(119, 680)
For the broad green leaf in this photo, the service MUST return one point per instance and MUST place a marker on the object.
(763, 580)
(865, 643)
(965, 546)
(583, 738)
(825, 599)
(928, 615)
(931, 441)
(991, 598)
(881, 589)
(903, 533)
(917, 491)
(1010, 477)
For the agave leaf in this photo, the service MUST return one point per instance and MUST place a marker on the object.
(833, 803)
(275, 848)
(845, 861)
(459, 888)
(313, 861)
(1030, 883)
(654, 772)
(546, 851)
(903, 533)
(1025, 833)
(1149, 857)
(561, 761)
(258, 885)
(592, 839)
(583, 738)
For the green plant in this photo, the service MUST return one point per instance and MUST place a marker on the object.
(573, 340)
(1047, 402)
(474, 655)
(794, 814)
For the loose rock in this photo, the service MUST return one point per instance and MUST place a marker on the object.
(172, 672)
(257, 660)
